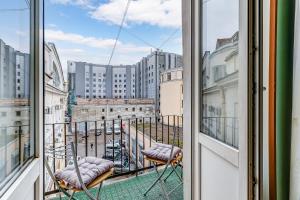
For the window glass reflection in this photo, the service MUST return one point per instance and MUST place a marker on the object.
(220, 70)
(16, 140)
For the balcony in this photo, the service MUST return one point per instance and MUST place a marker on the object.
(121, 141)
(133, 188)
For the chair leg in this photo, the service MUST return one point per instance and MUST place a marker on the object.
(179, 176)
(174, 170)
(162, 186)
(71, 197)
(98, 192)
(165, 179)
(158, 180)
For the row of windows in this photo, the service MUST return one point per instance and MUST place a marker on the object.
(94, 74)
(4, 114)
(94, 91)
(94, 80)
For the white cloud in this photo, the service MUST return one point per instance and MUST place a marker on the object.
(52, 25)
(163, 13)
(58, 35)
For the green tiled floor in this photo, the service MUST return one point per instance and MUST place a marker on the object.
(133, 189)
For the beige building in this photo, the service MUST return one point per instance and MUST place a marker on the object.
(171, 95)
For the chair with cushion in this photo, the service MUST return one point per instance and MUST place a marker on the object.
(81, 175)
(168, 155)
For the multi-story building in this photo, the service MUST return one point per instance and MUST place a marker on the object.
(14, 72)
(56, 95)
(141, 80)
(14, 108)
(171, 93)
(220, 89)
(148, 74)
(89, 80)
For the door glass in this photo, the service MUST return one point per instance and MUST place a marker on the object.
(220, 70)
(16, 140)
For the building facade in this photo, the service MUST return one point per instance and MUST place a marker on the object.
(110, 109)
(171, 93)
(220, 89)
(14, 72)
(92, 81)
(148, 72)
(141, 80)
(55, 106)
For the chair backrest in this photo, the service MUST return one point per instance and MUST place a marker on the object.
(65, 152)
(60, 152)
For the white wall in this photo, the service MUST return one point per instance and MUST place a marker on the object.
(219, 178)
(295, 154)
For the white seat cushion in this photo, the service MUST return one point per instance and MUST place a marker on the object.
(161, 152)
(89, 167)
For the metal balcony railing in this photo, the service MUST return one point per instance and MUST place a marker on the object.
(224, 129)
(119, 140)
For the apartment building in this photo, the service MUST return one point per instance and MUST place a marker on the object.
(92, 81)
(220, 89)
(148, 74)
(14, 72)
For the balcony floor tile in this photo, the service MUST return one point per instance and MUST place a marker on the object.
(134, 187)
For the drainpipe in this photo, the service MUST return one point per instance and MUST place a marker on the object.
(284, 93)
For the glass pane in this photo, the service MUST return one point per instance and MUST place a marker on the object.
(220, 70)
(16, 145)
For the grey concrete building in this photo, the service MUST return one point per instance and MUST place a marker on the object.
(148, 73)
(141, 80)
(93, 81)
(14, 72)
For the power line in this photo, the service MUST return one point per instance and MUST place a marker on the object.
(141, 39)
(119, 31)
(167, 40)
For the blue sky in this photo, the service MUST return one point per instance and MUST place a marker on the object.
(85, 30)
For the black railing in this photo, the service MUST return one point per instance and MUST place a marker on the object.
(15, 150)
(224, 129)
(119, 140)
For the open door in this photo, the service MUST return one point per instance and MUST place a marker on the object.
(222, 116)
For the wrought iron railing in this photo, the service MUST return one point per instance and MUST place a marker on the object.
(119, 140)
(224, 129)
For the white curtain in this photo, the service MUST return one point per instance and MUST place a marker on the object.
(295, 148)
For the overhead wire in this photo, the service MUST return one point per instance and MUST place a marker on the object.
(119, 32)
(141, 39)
(168, 38)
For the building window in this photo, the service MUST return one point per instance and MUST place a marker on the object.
(18, 113)
(16, 136)
(111, 110)
(168, 76)
(221, 127)
(133, 109)
(3, 114)
(141, 109)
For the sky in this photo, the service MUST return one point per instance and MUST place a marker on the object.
(85, 30)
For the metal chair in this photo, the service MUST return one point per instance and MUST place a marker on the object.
(68, 152)
(173, 160)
